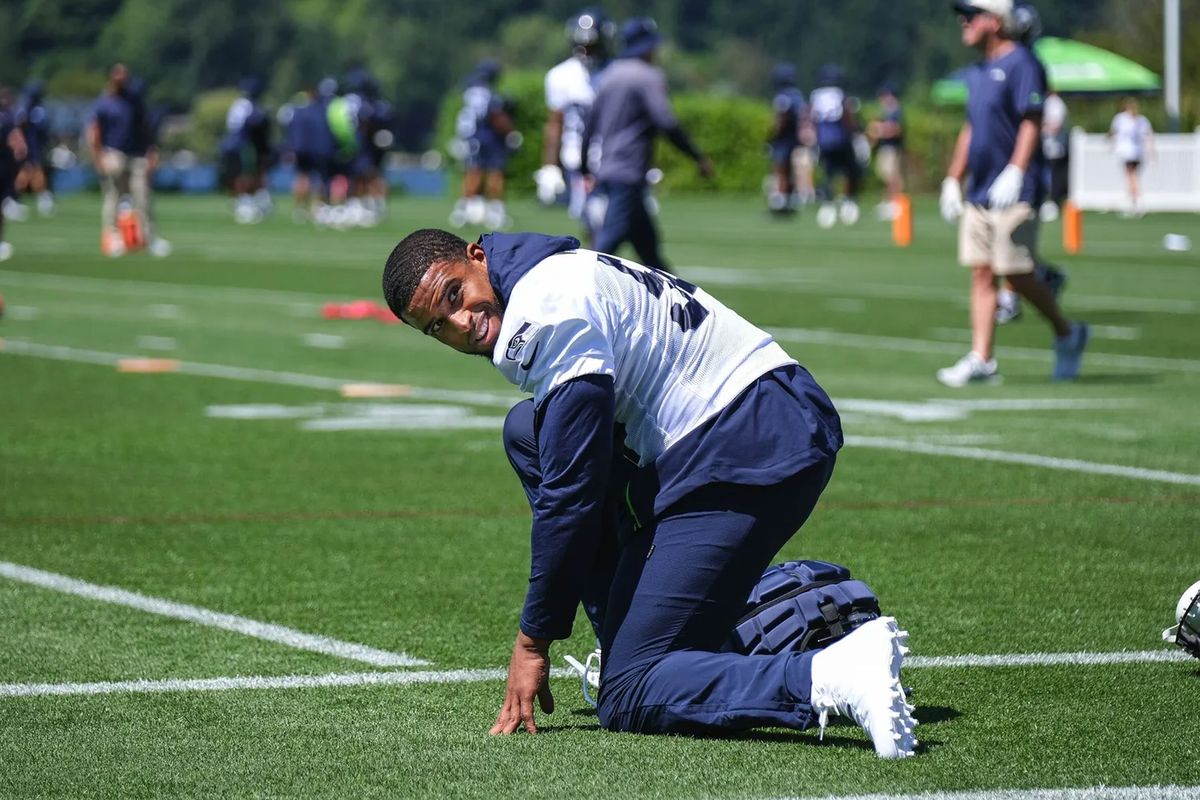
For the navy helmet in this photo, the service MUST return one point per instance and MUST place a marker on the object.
(783, 75)
(641, 37)
(830, 75)
(34, 91)
(327, 87)
(591, 33)
(486, 71)
(251, 86)
(1027, 24)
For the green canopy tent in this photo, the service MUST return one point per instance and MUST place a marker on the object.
(1073, 68)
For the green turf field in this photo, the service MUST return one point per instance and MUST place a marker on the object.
(1025, 518)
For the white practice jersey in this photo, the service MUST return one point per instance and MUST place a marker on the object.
(1131, 132)
(569, 90)
(239, 112)
(827, 104)
(677, 356)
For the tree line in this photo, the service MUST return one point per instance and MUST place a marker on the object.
(421, 49)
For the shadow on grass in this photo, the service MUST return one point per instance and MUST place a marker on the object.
(926, 715)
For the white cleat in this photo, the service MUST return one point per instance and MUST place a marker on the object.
(859, 677)
(6, 251)
(971, 368)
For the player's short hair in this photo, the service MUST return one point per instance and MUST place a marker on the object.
(412, 258)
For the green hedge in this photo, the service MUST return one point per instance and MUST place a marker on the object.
(731, 130)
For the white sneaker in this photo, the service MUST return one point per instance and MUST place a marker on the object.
(859, 677)
(45, 204)
(1049, 211)
(17, 212)
(848, 212)
(971, 368)
(589, 673)
(6, 251)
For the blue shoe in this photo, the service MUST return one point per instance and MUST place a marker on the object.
(1068, 352)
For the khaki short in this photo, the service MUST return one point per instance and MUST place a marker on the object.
(887, 163)
(1004, 240)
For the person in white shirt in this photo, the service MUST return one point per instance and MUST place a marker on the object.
(1133, 140)
(570, 92)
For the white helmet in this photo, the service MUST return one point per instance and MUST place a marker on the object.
(1186, 630)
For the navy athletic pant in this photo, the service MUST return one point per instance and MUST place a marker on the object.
(626, 219)
(674, 591)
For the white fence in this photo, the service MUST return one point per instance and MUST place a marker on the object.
(1170, 176)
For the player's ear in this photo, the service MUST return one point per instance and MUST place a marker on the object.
(476, 254)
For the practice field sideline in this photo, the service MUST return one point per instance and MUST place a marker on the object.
(233, 576)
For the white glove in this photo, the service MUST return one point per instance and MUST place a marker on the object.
(550, 183)
(951, 201)
(1006, 189)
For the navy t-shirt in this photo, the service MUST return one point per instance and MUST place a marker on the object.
(791, 104)
(1002, 93)
(117, 118)
(309, 133)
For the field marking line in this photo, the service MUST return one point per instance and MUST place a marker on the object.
(289, 637)
(1157, 792)
(157, 290)
(500, 673)
(1025, 459)
(253, 374)
(760, 277)
(1082, 659)
(815, 281)
(929, 346)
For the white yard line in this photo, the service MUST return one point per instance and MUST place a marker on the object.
(818, 282)
(1085, 793)
(265, 682)
(1026, 459)
(905, 345)
(814, 281)
(499, 674)
(251, 682)
(203, 616)
(251, 374)
(158, 290)
(1046, 659)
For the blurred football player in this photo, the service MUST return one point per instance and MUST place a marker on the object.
(311, 146)
(34, 121)
(836, 125)
(733, 441)
(375, 122)
(999, 149)
(791, 111)
(570, 91)
(147, 122)
(12, 152)
(887, 135)
(630, 110)
(484, 125)
(1027, 27)
(246, 152)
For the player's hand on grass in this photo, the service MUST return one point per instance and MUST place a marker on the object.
(528, 677)
(951, 201)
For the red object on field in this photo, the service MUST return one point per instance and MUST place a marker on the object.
(359, 309)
